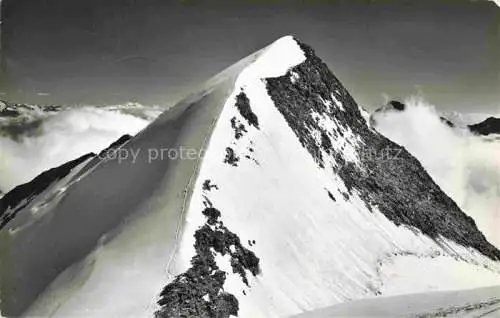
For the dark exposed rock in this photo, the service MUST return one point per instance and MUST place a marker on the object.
(238, 128)
(231, 158)
(326, 143)
(446, 121)
(207, 185)
(243, 105)
(345, 195)
(51, 108)
(8, 112)
(397, 106)
(199, 291)
(22, 195)
(20, 120)
(490, 125)
(212, 215)
(11, 109)
(396, 187)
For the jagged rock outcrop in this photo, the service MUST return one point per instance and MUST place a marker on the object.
(490, 125)
(199, 292)
(397, 106)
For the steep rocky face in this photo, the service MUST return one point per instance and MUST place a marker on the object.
(490, 125)
(448, 122)
(388, 177)
(199, 292)
(318, 201)
(115, 145)
(392, 105)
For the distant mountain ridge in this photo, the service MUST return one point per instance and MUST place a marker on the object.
(489, 126)
(19, 120)
(19, 197)
(10, 109)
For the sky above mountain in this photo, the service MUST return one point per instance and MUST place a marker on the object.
(155, 52)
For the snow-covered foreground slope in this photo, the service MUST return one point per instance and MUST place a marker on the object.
(295, 204)
(481, 302)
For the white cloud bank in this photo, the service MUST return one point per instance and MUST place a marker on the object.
(465, 166)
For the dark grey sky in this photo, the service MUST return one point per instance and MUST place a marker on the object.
(155, 51)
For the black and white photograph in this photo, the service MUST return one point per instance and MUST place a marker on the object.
(249, 158)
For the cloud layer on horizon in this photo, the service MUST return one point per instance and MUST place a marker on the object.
(60, 138)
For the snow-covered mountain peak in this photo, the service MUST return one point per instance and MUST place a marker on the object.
(275, 60)
(299, 204)
(290, 203)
